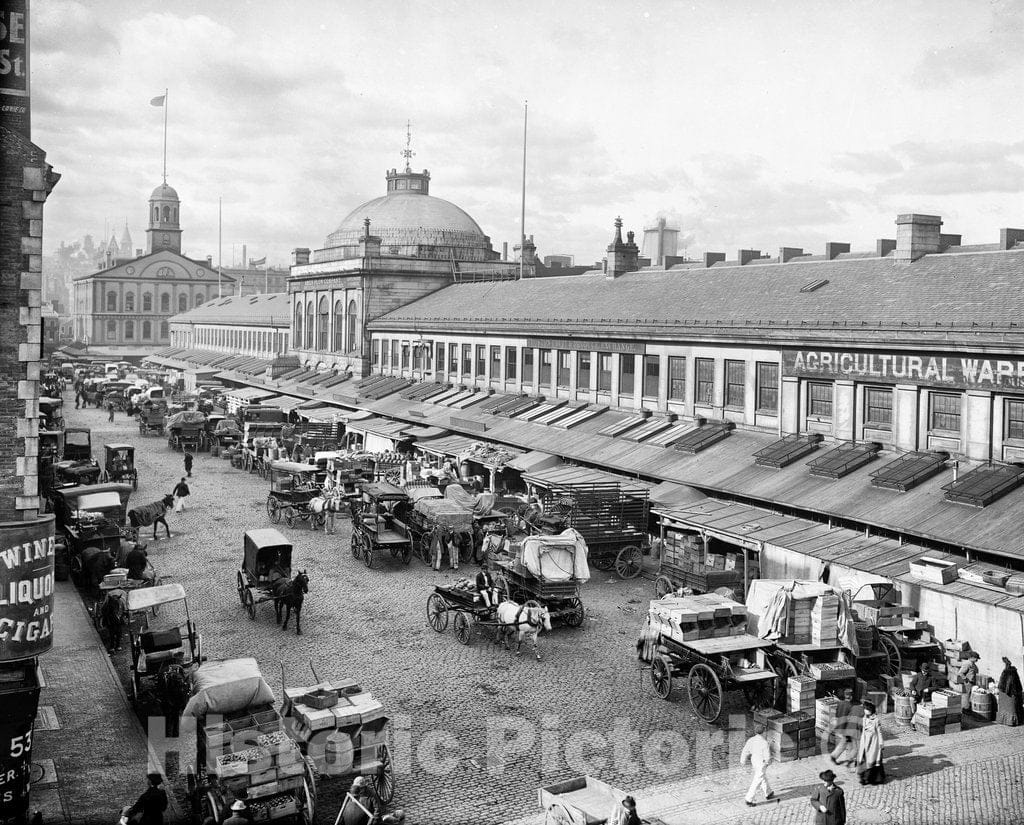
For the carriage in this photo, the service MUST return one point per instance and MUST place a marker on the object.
(224, 433)
(431, 510)
(51, 444)
(263, 551)
(468, 608)
(156, 643)
(77, 466)
(151, 419)
(292, 488)
(377, 527)
(119, 465)
(51, 413)
(582, 800)
(91, 517)
(186, 431)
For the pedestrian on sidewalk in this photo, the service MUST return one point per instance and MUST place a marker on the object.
(149, 810)
(848, 723)
(869, 754)
(189, 458)
(758, 753)
(828, 801)
(180, 493)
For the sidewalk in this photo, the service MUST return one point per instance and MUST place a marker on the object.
(974, 778)
(89, 745)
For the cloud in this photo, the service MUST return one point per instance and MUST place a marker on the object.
(882, 162)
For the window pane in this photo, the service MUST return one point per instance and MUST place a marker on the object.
(453, 359)
(405, 355)
(878, 406)
(677, 378)
(627, 374)
(545, 367)
(735, 383)
(704, 392)
(652, 372)
(564, 367)
(495, 373)
(394, 352)
(428, 350)
(385, 350)
(510, 363)
(1015, 419)
(768, 387)
(945, 412)
(481, 361)
(604, 372)
(440, 356)
(583, 371)
(528, 365)
(819, 399)
(467, 360)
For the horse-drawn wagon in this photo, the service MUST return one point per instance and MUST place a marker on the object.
(77, 465)
(51, 413)
(582, 800)
(119, 465)
(151, 419)
(434, 518)
(292, 488)
(161, 634)
(186, 431)
(92, 521)
(377, 524)
(266, 575)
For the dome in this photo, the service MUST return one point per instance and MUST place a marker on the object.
(401, 213)
(164, 193)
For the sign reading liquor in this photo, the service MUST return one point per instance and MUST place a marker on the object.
(26, 589)
(1004, 374)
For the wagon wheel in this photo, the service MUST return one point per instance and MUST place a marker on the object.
(502, 586)
(629, 562)
(575, 616)
(273, 509)
(289, 516)
(367, 552)
(317, 521)
(357, 537)
(661, 676)
(241, 587)
(602, 562)
(705, 689)
(437, 612)
(663, 586)
(424, 545)
(406, 552)
(463, 627)
(250, 604)
(393, 477)
(893, 658)
(77, 571)
(383, 781)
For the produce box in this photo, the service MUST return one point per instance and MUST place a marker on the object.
(762, 715)
(934, 570)
(946, 698)
(823, 671)
(282, 806)
(320, 699)
(266, 789)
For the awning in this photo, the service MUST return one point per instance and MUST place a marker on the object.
(566, 476)
(383, 427)
(449, 445)
(670, 494)
(247, 394)
(424, 432)
(328, 414)
(353, 415)
(287, 403)
(534, 460)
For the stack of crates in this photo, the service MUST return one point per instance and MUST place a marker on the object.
(930, 719)
(791, 736)
(801, 693)
(956, 651)
(950, 700)
(825, 619)
(825, 716)
(798, 622)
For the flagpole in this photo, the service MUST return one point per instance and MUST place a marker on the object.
(220, 244)
(266, 277)
(166, 107)
(522, 213)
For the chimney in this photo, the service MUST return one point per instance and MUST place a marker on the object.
(946, 241)
(622, 257)
(916, 235)
(745, 256)
(1009, 238)
(245, 259)
(504, 251)
(712, 258)
(788, 253)
(833, 249)
(300, 256)
(209, 261)
(883, 246)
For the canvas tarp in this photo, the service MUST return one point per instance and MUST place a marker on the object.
(458, 494)
(557, 558)
(228, 686)
(444, 511)
(768, 602)
(185, 417)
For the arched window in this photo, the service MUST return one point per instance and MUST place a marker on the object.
(350, 324)
(111, 330)
(309, 325)
(156, 213)
(129, 302)
(297, 332)
(339, 326)
(167, 213)
(163, 330)
(199, 299)
(147, 302)
(165, 302)
(147, 330)
(321, 324)
(111, 302)
(182, 302)
(129, 330)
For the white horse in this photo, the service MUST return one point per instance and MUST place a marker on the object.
(525, 621)
(329, 503)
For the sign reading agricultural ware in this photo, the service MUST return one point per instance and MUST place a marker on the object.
(26, 588)
(1006, 374)
(585, 346)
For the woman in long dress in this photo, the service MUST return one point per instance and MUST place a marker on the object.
(1010, 696)
(869, 755)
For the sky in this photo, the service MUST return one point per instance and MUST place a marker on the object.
(748, 124)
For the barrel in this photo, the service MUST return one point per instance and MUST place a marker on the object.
(865, 635)
(981, 703)
(904, 708)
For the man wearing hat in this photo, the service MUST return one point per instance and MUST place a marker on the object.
(967, 674)
(149, 810)
(238, 811)
(828, 801)
(485, 587)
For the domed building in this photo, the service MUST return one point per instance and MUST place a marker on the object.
(384, 254)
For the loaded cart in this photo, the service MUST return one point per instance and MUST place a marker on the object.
(243, 750)
(582, 800)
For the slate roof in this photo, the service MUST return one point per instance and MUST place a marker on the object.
(264, 309)
(940, 291)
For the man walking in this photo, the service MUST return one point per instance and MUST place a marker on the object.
(758, 753)
(188, 464)
(149, 810)
(828, 801)
(180, 493)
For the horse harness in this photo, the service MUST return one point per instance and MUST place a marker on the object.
(529, 623)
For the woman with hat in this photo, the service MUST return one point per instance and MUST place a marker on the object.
(1010, 709)
(869, 754)
(828, 801)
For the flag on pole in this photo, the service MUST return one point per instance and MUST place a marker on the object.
(157, 101)
(261, 262)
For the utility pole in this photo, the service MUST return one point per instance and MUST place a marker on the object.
(522, 212)
(220, 242)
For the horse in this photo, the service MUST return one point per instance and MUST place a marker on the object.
(289, 595)
(152, 513)
(96, 563)
(175, 685)
(113, 615)
(526, 622)
(329, 503)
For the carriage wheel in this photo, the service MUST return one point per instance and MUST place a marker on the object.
(356, 539)
(241, 587)
(575, 616)
(250, 604)
(289, 516)
(463, 627)
(383, 781)
(393, 477)
(629, 562)
(705, 691)
(77, 571)
(502, 586)
(273, 509)
(367, 553)
(406, 552)
(661, 676)
(437, 613)
(893, 659)
(663, 586)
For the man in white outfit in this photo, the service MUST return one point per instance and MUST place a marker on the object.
(758, 752)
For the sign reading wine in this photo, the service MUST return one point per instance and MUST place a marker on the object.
(26, 589)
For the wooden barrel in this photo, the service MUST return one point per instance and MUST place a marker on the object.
(904, 709)
(981, 703)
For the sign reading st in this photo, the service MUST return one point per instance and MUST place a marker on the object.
(1004, 374)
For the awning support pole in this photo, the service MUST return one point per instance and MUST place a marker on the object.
(746, 553)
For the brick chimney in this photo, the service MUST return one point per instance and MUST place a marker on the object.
(712, 258)
(1009, 238)
(917, 235)
(300, 256)
(833, 249)
(209, 261)
(622, 257)
(745, 256)
(369, 245)
(883, 246)
(788, 253)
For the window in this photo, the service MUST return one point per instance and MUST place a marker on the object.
(419, 352)
(405, 355)
(676, 378)
(163, 330)
(297, 336)
(495, 373)
(428, 349)
(338, 345)
(564, 367)
(944, 413)
(165, 302)
(111, 302)
(440, 356)
(147, 301)
(652, 373)
(1014, 416)
(583, 370)
(200, 299)
(481, 361)
(604, 372)
(704, 391)
(878, 407)
(453, 359)
(375, 352)
(129, 330)
(735, 383)
(182, 303)
(627, 374)
(385, 348)
(394, 352)
(510, 363)
(147, 330)
(467, 359)
(528, 365)
(167, 214)
(819, 399)
(767, 388)
(309, 325)
(321, 323)
(351, 327)
(545, 368)
(129, 302)
(111, 330)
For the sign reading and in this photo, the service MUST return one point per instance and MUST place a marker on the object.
(26, 589)
(1006, 374)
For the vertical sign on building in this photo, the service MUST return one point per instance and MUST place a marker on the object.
(14, 82)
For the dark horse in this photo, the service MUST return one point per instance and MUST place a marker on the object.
(95, 563)
(289, 595)
(175, 685)
(152, 513)
(113, 615)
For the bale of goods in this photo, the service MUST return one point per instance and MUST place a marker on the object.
(707, 616)
(825, 619)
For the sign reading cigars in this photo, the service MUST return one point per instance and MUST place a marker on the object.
(951, 372)
(26, 589)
